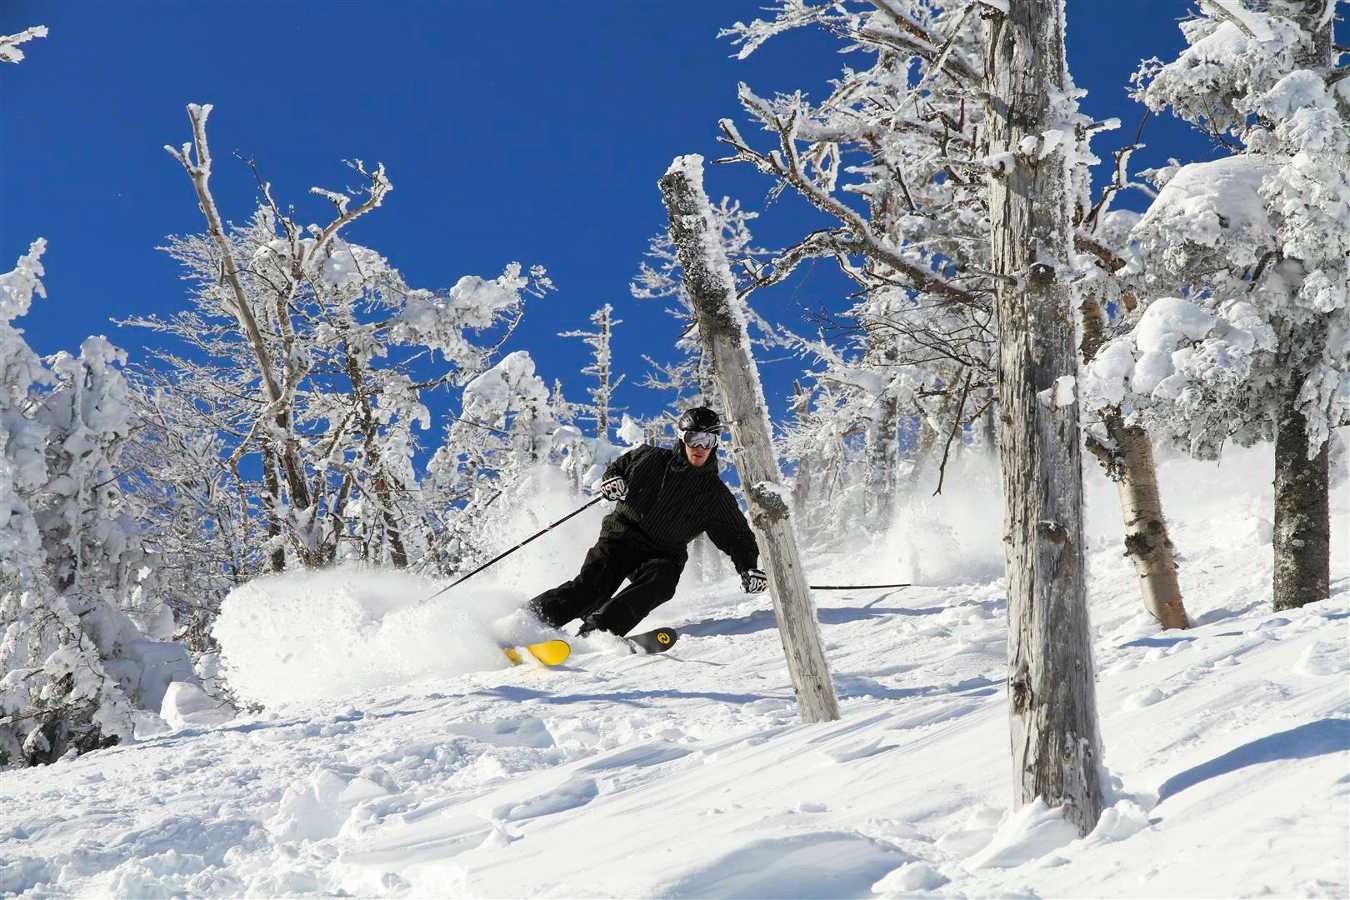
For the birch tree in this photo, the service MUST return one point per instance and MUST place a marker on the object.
(1034, 128)
(712, 289)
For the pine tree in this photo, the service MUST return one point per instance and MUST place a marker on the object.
(601, 368)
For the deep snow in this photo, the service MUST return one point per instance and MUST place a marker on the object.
(400, 756)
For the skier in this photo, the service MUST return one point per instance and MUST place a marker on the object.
(666, 498)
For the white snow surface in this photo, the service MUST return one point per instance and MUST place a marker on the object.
(398, 754)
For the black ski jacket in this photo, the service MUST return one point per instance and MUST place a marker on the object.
(671, 502)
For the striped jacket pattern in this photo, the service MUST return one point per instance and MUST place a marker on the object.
(671, 502)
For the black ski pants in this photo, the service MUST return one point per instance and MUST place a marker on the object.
(590, 596)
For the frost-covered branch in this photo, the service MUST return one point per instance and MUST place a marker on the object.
(9, 43)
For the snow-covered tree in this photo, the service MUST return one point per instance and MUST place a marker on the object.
(191, 508)
(689, 379)
(722, 326)
(73, 665)
(506, 429)
(512, 436)
(907, 136)
(601, 368)
(323, 353)
(1035, 130)
(893, 157)
(1243, 264)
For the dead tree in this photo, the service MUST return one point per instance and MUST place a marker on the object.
(721, 323)
(1052, 699)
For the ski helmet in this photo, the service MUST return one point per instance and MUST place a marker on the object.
(700, 418)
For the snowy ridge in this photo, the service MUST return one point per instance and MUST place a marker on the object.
(689, 775)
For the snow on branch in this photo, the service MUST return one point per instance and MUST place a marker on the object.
(9, 43)
(782, 116)
(787, 15)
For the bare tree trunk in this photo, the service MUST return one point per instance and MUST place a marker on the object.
(801, 487)
(270, 500)
(1052, 699)
(883, 458)
(1128, 461)
(721, 325)
(988, 433)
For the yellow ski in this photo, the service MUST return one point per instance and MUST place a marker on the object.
(549, 653)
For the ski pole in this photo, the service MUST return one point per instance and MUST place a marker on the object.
(499, 557)
(853, 587)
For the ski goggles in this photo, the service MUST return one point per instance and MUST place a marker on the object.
(702, 440)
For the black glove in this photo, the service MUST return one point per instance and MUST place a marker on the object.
(754, 581)
(614, 488)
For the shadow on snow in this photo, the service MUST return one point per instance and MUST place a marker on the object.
(1304, 742)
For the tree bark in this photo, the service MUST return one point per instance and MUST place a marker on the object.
(1056, 746)
(801, 487)
(712, 289)
(1302, 536)
(883, 457)
(988, 433)
(1128, 461)
(271, 498)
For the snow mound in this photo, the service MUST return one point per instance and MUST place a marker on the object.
(300, 637)
(186, 704)
(1030, 833)
(827, 864)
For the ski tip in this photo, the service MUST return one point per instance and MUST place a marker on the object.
(657, 641)
(548, 653)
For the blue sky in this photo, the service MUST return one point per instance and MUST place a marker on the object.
(529, 131)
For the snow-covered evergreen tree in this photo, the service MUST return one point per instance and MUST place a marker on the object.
(601, 369)
(73, 665)
(1243, 264)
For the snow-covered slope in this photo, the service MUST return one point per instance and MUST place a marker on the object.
(688, 774)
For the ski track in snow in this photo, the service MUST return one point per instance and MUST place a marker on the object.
(689, 775)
